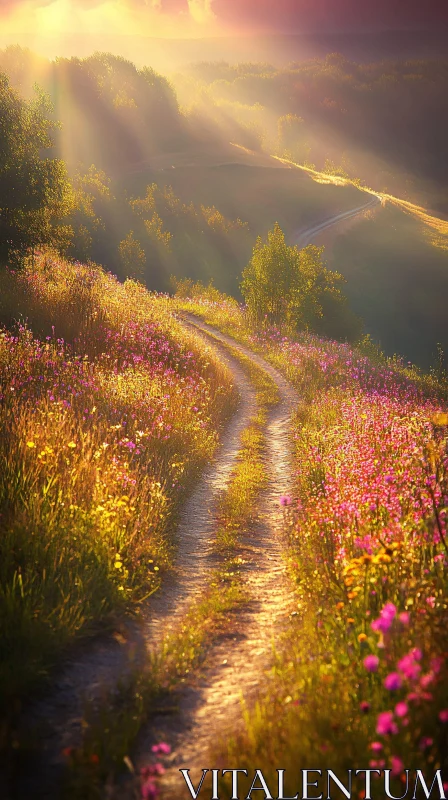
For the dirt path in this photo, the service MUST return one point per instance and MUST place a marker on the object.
(212, 705)
(311, 234)
(57, 719)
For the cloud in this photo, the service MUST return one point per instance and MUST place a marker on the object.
(201, 10)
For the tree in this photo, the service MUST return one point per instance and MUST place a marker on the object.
(292, 138)
(132, 257)
(35, 193)
(282, 284)
(92, 199)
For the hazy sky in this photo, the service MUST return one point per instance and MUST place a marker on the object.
(215, 17)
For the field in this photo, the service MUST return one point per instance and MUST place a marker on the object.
(108, 413)
(105, 431)
(223, 524)
(359, 676)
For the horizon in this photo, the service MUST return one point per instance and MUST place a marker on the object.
(196, 20)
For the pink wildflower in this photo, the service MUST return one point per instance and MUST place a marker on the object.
(426, 680)
(401, 709)
(396, 765)
(393, 681)
(376, 746)
(385, 724)
(385, 619)
(409, 667)
(443, 715)
(149, 790)
(404, 617)
(162, 747)
(371, 663)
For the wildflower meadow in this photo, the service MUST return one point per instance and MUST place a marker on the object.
(108, 410)
(361, 676)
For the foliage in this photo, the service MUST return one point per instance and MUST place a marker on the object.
(111, 731)
(320, 110)
(34, 190)
(288, 285)
(107, 413)
(292, 142)
(92, 202)
(361, 678)
(367, 657)
(132, 257)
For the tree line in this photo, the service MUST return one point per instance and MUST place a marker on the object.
(41, 206)
(382, 122)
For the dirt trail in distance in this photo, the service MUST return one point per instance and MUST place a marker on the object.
(210, 706)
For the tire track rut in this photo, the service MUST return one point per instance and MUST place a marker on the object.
(57, 718)
(209, 707)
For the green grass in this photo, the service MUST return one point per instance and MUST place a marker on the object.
(364, 442)
(97, 452)
(111, 733)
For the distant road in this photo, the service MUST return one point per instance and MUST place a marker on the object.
(306, 236)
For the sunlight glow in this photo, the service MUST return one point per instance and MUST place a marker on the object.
(62, 18)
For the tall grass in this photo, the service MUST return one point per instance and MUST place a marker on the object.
(110, 733)
(108, 410)
(361, 678)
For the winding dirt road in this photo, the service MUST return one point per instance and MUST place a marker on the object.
(212, 704)
(235, 664)
(308, 235)
(58, 718)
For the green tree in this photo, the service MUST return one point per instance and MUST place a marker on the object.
(282, 284)
(92, 201)
(132, 257)
(35, 193)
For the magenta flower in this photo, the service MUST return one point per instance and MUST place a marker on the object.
(386, 618)
(443, 715)
(149, 791)
(426, 680)
(162, 747)
(404, 617)
(371, 663)
(431, 601)
(401, 709)
(393, 681)
(376, 746)
(285, 500)
(385, 724)
(364, 706)
(396, 765)
(409, 667)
